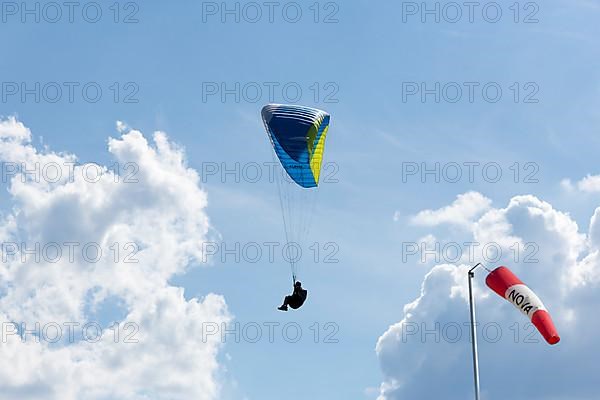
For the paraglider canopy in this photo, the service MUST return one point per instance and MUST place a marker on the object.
(298, 137)
(297, 134)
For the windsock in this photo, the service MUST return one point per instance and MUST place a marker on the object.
(507, 285)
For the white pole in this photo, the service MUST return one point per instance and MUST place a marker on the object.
(474, 332)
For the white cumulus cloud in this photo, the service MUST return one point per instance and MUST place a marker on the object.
(141, 225)
(588, 184)
(462, 212)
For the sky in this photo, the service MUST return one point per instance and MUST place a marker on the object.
(450, 125)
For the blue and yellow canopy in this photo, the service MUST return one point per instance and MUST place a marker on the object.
(298, 137)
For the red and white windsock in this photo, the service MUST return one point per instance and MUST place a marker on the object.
(507, 285)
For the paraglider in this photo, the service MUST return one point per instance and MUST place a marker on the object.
(296, 299)
(297, 134)
(507, 285)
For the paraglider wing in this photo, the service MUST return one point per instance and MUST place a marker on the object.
(297, 134)
(507, 285)
(298, 137)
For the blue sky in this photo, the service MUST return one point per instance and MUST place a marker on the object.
(363, 60)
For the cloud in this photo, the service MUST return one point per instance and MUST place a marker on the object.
(427, 354)
(144, 223)
(462, 212)
(588, 184)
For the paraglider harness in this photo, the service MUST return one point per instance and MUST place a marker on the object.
(298, 297)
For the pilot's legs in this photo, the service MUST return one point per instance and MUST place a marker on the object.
(286, 301)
